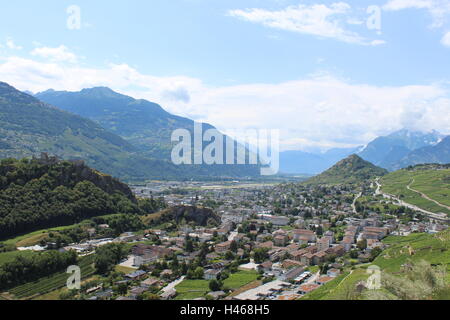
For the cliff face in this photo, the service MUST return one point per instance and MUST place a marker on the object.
(201, 216)
(105, 182)
(61, 173)
(44, 193)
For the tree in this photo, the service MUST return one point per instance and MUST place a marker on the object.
(215, 285)
(362, 245)
(260, 255)
(198, 273)
(375, 253)
(233, 246)
(229, 255)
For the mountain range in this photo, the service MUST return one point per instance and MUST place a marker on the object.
(131, 138)
(29, 126)
(145, 125)
(398, 150)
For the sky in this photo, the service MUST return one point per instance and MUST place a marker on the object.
(325, 73)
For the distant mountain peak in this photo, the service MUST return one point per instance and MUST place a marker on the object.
(352, 169)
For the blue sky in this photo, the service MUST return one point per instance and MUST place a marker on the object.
(298, 66)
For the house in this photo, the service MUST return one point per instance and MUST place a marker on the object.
(281, 240)
(319, 258)
(307, 288)
(223, 247)
(291, 263)
(265, 266)
(323, 244)
(267, 244)
(291, 274)
(136, 275)
(323, 280)
(166, 295)
(347, 242)
(144, 254)
(333, 272)
(211, 274)
(307, 259)
(137, 291)
(216, 295)
(306, 234)
(104, 295)
(150, 282)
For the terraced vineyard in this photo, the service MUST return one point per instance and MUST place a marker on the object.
(53, 282)
(434, 249)
(434, 183)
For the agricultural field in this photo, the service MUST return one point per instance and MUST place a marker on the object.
(434, 249)
(11, 255)
(240, 279)
(52, 283)
(338, 289)
(192, 289)
(432, 182)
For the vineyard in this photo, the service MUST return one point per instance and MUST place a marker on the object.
(53, 282)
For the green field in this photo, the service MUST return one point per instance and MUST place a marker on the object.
(338, 288)
(11, 255)
(433, 183)
(413, 248)
(240, 279)
(432, 248)
(192, 289)
(52, 283)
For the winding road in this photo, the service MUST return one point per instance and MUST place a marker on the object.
(432, 215)
(423, 195)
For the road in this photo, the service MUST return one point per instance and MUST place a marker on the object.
(354, 203)
(172, 285)
(432, 215)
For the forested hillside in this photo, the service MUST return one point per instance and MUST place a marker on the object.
(37, 194)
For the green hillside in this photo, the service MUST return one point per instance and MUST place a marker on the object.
(351, 170)
(433, 181)
(144, 124)
(410, 250)
(45, 193)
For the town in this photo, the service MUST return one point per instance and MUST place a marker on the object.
(274, 242)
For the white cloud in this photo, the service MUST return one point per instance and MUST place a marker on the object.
(446, 39)
(60, 53)
(319, 111)
(394, 5)
(438, 9)
(317, 19)
(11, 45)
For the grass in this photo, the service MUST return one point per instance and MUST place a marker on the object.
(125, 270)
(326, 289)
(11, 255)
(415, 247)
(431, 248)
(240, 279)
(192, 289)
(249, 286)
(434, 183)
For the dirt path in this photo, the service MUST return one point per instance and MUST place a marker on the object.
(354, 202)
(423, 195)
(432, 215)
